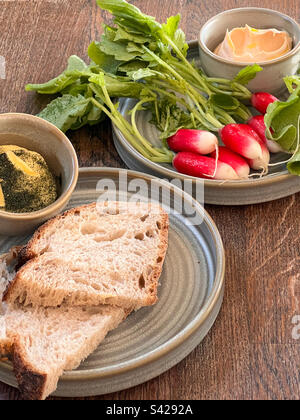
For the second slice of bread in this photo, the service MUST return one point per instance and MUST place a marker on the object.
(111, 253)
(44, 342)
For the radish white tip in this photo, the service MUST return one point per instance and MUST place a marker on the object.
(274, 147)
(255, 151)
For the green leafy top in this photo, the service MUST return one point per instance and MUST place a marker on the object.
(247, 74)
(131, 17)
(138, 57)
(282, 123)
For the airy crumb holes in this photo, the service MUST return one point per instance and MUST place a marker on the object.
(142, 282)
(139, 237)
(150, 233)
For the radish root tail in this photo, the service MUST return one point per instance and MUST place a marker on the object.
(216, 166)
(217, 160)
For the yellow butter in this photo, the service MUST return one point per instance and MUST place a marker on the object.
(10, 148)
(2, 199)
(26, 183)
(20, 165)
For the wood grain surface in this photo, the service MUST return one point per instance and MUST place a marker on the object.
(250, 353)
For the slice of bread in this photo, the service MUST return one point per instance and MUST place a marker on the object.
(44, 342)
(107, 253)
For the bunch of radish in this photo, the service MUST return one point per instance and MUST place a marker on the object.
(246, 147)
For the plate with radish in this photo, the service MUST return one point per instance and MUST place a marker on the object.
(237, 162)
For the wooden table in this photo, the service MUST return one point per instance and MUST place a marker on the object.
(250, 353)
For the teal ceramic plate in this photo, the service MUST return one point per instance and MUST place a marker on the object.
(156, 338)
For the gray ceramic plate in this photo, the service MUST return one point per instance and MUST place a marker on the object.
(278, 184)
(153, 339)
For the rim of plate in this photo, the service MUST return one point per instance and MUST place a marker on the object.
(268, 179)
(194, 325)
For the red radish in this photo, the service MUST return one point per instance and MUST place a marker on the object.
(261, 101)
(234, 160)
(262, 162)
(195, 141)
(242, 139)
(203, 167)
(258, 124)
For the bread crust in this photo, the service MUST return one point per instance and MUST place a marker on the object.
(31, 384)
(163, 246)
(5, 349)
(22, 257)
